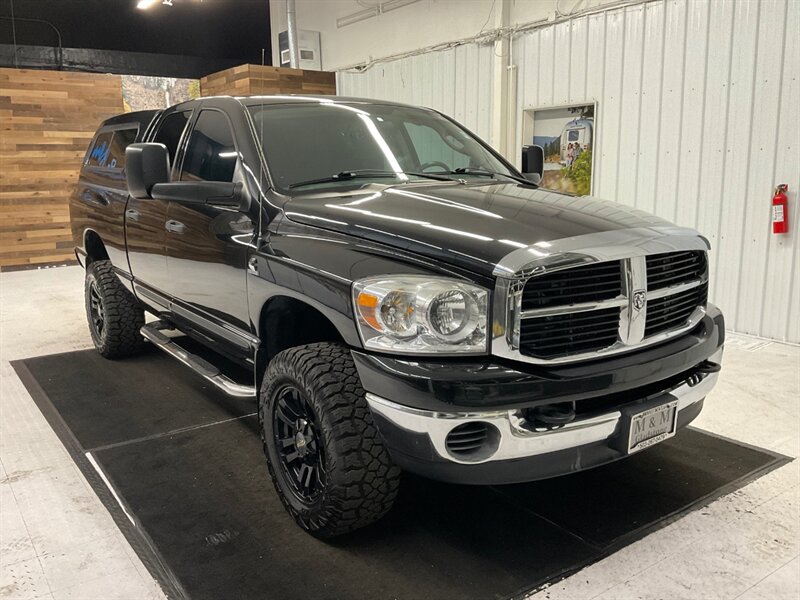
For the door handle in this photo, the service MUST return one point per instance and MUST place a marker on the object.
(93, 197)
(132, 214)
(252, 265)
(175, 226)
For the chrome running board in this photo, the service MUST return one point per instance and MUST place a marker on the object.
(153, 333)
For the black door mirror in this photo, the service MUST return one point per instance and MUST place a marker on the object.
(533, 163)
(145, 166)
(221, 194)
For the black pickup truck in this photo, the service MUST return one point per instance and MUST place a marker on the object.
(404, 297)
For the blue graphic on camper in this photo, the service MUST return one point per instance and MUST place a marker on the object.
(100, 153)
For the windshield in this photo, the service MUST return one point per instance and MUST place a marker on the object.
(306, 143)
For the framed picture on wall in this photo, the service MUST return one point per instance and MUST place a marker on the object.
(568, 135)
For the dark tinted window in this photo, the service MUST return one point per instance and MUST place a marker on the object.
(169, 132)
(108, 150)
(121, 140)
(98, 155)
(432, 150)
(311, 141)
(211, 154)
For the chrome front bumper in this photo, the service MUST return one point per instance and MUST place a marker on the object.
(515, 440)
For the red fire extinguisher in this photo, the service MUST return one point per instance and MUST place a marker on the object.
(780, 213)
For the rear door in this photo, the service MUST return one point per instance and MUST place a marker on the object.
(145, 219)
(207, 246)
(101, 192)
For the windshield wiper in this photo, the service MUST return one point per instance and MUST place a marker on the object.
(367, 174)
(485, 173)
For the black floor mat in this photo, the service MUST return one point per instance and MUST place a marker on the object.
(186, 463)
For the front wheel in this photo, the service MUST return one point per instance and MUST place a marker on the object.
(325, 455)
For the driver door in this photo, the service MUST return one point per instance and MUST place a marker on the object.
(207, 246)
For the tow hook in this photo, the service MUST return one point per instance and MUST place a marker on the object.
(554, 415)
(704, 368)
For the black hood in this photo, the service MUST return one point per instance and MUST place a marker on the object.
(470, 225)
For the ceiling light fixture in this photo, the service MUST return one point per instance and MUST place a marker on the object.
(145, 4)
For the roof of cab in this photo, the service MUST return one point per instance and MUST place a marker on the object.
(311, 99)
(145, 117)
(142, 117)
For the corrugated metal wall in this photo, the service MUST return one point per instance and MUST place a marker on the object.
(457, 82)
(698, 118)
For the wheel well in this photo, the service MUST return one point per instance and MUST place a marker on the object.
(288, 322)
(95, 248)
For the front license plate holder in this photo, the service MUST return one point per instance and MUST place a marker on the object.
(645, 426)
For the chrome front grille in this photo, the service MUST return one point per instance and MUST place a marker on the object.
(673, 311)
(592, 283)
(578, 305)
(673, 268)
(569, 333)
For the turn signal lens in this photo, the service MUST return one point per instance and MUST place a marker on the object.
(367, 305)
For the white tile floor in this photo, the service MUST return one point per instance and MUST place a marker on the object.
(57, 540)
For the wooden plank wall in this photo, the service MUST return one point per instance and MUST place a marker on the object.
(247, 80)
(47, 119)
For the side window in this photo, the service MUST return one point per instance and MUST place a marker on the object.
(98, 155)
(431, 147)
(211, 154)
(121, 140)
(170, 131)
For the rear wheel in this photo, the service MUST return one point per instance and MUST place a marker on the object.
(325, 455)
(114, 315)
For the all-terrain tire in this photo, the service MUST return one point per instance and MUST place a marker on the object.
(360, 480)
(116, 332)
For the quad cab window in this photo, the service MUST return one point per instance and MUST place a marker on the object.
(108, 149)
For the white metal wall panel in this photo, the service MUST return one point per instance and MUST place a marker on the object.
(457, 82)
(668, 155)
(649, 130)
(698, 118)
(780, 274)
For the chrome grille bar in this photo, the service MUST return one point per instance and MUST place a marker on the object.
(633, 318)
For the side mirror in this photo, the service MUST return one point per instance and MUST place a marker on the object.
(533, 163)
(214, 193)
(145, 166)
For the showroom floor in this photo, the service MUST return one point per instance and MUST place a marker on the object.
(58, 541)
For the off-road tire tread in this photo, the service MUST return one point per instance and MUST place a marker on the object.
(362, 481)
(124, 315)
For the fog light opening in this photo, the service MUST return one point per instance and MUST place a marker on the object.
(473, 442)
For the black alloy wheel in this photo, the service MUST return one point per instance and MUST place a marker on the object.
(324, 452)
(113, 314)
(299, 444)
(96, 310)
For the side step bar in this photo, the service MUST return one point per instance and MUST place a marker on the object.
(153, 333)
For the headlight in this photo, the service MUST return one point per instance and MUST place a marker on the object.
(416, 314)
